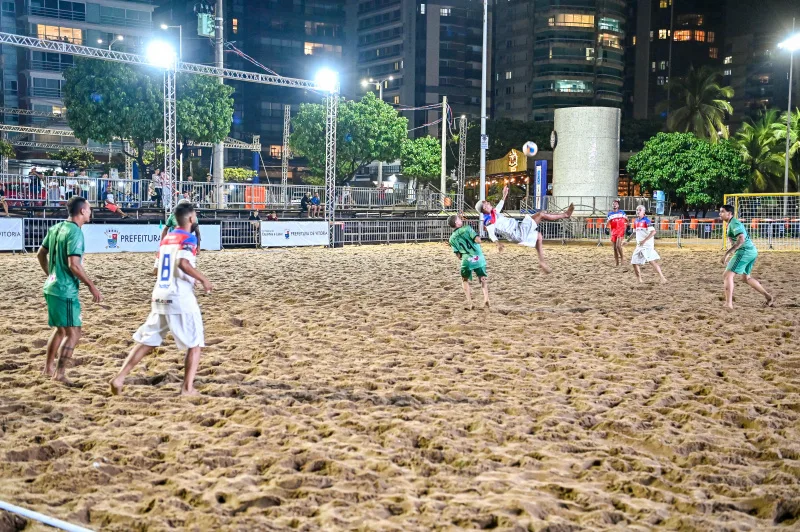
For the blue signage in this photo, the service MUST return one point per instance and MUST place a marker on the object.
(540, 184)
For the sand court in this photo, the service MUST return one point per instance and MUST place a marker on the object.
(349, 389)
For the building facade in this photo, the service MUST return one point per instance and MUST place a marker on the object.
(551, 54)
(420, 52)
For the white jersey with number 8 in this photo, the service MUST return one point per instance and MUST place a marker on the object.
(174, 289)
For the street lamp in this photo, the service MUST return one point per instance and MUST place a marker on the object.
(791, 44)
(379, 85)
(180, 38)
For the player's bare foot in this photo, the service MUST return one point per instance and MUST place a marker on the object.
(486, 305)
(545, 268)
(116, 386)
(468, 306)
(48, 371)
(189, 393)
(663, 280)
(770, 301)
(570, 210)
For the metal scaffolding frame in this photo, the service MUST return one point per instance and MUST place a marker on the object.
(332, 108)
(28, 112)
(285, 153)
(170, 180)
(462, 162)
(54, 146)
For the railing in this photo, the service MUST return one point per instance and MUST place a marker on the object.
(50, 66)
(122, 21)
(46, 93)
(62, 14)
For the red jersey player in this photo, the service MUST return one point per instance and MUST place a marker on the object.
(617, 222)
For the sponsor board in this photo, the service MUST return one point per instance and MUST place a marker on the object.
(117, 238)
(11, 234)
(283, 234)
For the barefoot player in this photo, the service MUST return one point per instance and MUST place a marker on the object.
(645, 251)
(742, 255)
(466, 245)
(174, 305)
(617, 223)
(525, 233)
(60, 257)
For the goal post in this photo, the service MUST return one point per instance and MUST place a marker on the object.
(772, 220)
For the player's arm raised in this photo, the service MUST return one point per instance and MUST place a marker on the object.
(77, 270)
(186, 267)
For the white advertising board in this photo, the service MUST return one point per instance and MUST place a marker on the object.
(11, 234)
(118, 238)
(283, 234)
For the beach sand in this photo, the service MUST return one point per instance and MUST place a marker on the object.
(348, 389)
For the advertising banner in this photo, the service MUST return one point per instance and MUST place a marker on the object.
(540, 183)
(118, 238)
(11, 234)
(283, 234)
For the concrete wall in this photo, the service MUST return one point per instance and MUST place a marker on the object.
(586, 158)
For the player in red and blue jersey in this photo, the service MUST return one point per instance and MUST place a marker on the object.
(645, 233)
(616, 223)
(174, 306)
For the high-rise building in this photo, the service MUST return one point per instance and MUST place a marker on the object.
(32, 80)
(295, 38)
(429, 50)
(551, 54)
(669, 38)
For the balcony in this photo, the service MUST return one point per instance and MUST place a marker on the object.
(43, 92)
(61, 14)
(49, 66)
(126, 22)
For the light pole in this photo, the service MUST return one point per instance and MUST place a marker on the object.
(180, 38)
(118, 38)
(484, 67)
(162, 55)
(379, 85)
(791, 44)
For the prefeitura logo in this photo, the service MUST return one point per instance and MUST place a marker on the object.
(112, 238)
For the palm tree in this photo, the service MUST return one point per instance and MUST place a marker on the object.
(760, 147)
(699, 104)
(794, 142)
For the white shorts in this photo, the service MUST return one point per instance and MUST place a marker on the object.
(187, 329)
(643, 255)
(529, 232)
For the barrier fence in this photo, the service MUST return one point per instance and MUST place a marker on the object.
(773, 235)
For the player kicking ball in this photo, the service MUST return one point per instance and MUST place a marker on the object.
(524, 233)
(742, 255)
(645, 251)
(174, 306)
(617, 223)
(466, 244)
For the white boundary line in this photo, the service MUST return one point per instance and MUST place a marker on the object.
(57, 523)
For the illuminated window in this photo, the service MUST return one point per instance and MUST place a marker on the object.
(508, 74)
(610, 41)
(728, 59)
(663, 65)
(572, 20)
(396, 100)
(690, 20)
(662, 4)
(662, 34)
(699, 36)
(57, 33)
(590, 54)
(763, 79)
(634, 40)
(445, 12)
(275, 151)
(422, 9)
(315, 48)
(653, 66)
(710, 38)
(235, 25)
(609, 24)
(308, 48)
(568, 85)
(660, 80)
(683, 35)
(651, 35)
(727, 72)
(713, 53)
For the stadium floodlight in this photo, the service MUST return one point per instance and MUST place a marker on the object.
(164, 27)
(792, 43)
(161, 54)
(327, 80)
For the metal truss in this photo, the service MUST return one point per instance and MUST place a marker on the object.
(332, 108)
(285, 154)
(126, 149)
(54, 146)
(170, 141)
(32, 130)
(28, 112)
(462, 161)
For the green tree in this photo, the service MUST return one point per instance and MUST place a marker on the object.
(367, 130)
(759, 145)
(421, 158)
(693, 171)
(6, 150)
(794, 143)
(107, 101)
(700, 104)
(73, 158)
(238, 174)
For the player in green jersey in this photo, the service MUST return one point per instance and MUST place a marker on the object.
(466, 244)
(742, 255)
(60, 257)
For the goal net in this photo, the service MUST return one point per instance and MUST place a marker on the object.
(772, 220)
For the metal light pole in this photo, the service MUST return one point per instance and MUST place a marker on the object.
(483, 98)
(218, 150)
(443, 173)
(462, 161)
(285, 155)
(791, 44)
(379, 85)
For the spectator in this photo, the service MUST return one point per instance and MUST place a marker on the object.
(272, 217)
(53, 194)
(83, 185)
(112, 206)
(381, 194)
(104, 186)
(3, 198)
(36, 183)
(255, 221)
(304, 203)
(158, 187)
(316, 206)
(188, 188)
(255, 216)
(347, 197)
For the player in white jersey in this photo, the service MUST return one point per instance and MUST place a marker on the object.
(174, 306)
(645, 251)
(524, 233)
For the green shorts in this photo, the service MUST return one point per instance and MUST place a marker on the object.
(742, 262)
(63, 312)
(466, 273)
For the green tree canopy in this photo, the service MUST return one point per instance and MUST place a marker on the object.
(73, 158)
(238, 174)
(6, 149)
(691, 170)
(107, 101)
(421, 158)
(759, 144)
(367, 130)
(699, 104)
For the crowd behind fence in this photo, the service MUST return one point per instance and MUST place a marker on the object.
(772, 235)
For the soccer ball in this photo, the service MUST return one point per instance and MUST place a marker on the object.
(530, 149)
